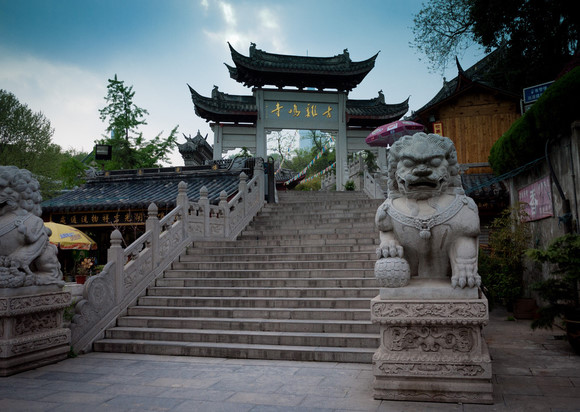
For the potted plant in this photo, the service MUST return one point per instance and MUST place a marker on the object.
(560, 290)
(349, 185)
(83, 270)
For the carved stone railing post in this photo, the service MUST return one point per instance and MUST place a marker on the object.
(152, 224)
(259, 171)
(243, 190)
(205, 210)
(115, 255)
(372, 187)
(225, 210)
(182, 202)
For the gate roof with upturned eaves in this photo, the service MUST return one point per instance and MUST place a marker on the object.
(261, 68)
(227, 108)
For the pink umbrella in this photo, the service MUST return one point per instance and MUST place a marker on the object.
(389, 133)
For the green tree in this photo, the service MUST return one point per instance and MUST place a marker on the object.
(72, 169)
(534, 38)
(26, 142)
(303, 156)
(442, 30)
(130, 149)
(279, 142)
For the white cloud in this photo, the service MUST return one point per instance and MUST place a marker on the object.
(228, 13)
(67, 95)
(205, 4)
(268, 19)
(241, 26)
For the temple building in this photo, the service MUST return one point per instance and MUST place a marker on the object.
(119, 199)
(195, 151)
(300, 93)
(471, 111)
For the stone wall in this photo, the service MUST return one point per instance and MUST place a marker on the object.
(565, 158)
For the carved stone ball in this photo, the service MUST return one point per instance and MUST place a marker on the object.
(392, 272)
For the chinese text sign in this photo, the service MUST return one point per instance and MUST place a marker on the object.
(537, 199)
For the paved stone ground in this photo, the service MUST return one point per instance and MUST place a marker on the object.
(533, 371)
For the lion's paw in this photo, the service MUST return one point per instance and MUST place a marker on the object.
(390, 248)
(464, 273)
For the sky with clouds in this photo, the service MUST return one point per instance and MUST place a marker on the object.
(57, 55)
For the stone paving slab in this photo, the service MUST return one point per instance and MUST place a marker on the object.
(533, 371)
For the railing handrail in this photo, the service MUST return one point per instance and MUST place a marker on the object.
(372, 187)
(130, 271)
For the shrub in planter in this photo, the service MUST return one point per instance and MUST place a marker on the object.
(560, 290)
(349, 185)
(313, 184)
(502, 268)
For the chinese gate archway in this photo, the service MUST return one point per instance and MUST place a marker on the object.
(244, 121)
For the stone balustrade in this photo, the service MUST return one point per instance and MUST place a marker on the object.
(129, 271)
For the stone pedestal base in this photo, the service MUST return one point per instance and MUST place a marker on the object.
(31, 330)
(432, 348)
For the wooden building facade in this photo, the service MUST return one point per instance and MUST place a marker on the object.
(472, 113)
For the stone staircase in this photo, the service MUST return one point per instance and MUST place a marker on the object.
(296, 285)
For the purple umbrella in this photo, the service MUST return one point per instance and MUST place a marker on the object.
(389, 133)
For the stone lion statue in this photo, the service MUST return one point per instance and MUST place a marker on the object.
(427, 218)
(27, 258)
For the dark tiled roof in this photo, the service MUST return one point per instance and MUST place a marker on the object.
(197, 143)
(261, 68)
(228, 108)
(284, 174)
(486, 190)
(222, 107)
(138, 191)
(476, 75)
(374, 112)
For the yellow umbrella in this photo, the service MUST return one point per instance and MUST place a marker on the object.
(68, 237)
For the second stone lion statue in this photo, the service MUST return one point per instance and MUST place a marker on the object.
(427, 218)
(27, 258)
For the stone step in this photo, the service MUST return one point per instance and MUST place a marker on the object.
(261, 303)
(311, 229)
(312, 223)
(304, 264)
(337, 237)
(262, 292)
(275, 251)
(327, 202)
(304, 313)
(269, 325)
(312, 240)
(345, 340)
(296, 284)
(243, 351)
(327, 216)
(322, 283)
(283, 215)
(209, 255)
(324, 197)
(312, 233)
(180, 270)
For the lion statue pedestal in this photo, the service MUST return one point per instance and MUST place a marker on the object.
(32, 300)
(432, 348)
